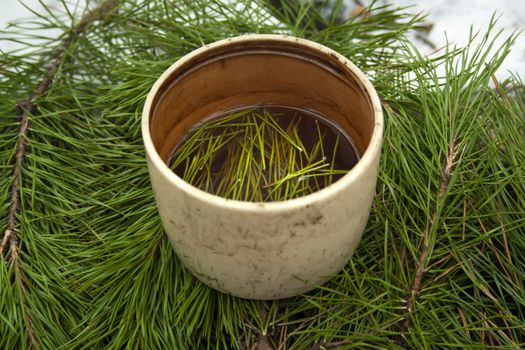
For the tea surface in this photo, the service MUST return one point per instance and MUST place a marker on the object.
(264, 153)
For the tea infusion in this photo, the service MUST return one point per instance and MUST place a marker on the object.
(264, 154)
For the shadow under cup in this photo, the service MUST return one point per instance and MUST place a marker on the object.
(257, 250)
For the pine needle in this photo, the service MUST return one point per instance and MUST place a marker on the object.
(241, 145)
(441, 264)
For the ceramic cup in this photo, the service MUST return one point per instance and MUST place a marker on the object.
(267, 250)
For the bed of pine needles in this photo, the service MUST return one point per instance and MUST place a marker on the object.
(84, 262)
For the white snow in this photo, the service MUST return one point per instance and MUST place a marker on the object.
(12, 10)
(455, 18)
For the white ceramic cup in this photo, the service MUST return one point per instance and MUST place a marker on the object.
(267, 250)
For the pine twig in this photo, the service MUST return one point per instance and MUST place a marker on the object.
(421, 268)
(26, 108)
(262, 341)
(331, 345)
(9, 234)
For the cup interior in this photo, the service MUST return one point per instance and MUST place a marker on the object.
(259, 71)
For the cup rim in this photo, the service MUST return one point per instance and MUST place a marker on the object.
(366, 160)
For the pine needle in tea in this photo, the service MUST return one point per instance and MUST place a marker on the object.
(264, 154)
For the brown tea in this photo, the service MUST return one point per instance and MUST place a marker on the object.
(264, 153)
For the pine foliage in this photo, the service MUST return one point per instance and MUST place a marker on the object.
(85, 263)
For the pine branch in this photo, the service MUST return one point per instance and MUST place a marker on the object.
(421, 264)
(95, 273)
(263, 339)
(26, 108)
(32, 341)
(9, 234)
(331, 345)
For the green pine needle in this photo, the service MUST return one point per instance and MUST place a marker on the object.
(442, 261)
(235, 157)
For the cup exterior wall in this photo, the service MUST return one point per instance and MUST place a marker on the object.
(265, 254)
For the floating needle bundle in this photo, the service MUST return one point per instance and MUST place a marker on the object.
(250, 156)
(84, 261)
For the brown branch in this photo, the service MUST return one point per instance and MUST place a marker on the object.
(263, 341)
(421, 263)
(19, 277)
(331, 345)
(14, 201)
(283, 332)
(26, 108)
